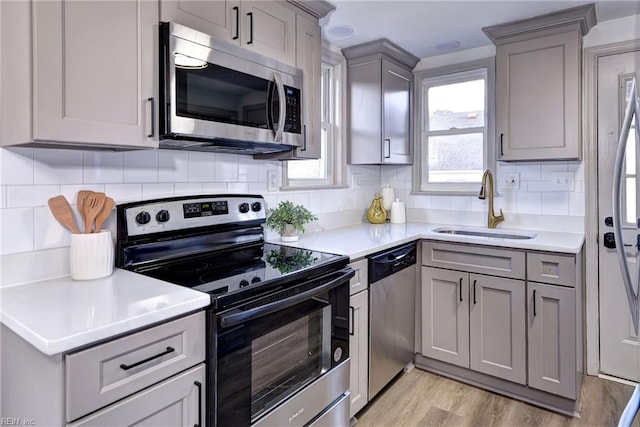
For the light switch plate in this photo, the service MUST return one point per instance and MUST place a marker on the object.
(562, 181)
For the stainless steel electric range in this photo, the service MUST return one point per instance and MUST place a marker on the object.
(278, 323)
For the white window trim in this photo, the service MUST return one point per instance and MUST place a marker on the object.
(336, 170)
(441, 75)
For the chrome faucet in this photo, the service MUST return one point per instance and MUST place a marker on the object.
(492, 219)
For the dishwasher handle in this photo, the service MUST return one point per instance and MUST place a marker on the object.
(384, 264)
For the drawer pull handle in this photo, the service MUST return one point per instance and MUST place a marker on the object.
(199, 385)
(534, 303)
(460, 286)
(352, 311)
(474, 292)
(148, 359)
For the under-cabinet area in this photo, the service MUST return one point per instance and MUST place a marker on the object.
(509, 320)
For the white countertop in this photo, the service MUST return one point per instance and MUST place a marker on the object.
(357, 241)
(59, 315)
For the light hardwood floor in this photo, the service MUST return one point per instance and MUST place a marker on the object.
(420, 398)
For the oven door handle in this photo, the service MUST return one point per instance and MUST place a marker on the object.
(245, 316)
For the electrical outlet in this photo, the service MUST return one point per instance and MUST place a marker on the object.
(561, 181)
(272, 180)
(511, 182)
(355, 180)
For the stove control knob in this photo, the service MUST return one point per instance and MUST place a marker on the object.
(243, 283)
(256, 280)
(256, 206)
(243, 208)
(163, 216)
(143, 218)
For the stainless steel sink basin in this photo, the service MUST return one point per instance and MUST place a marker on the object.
(496, 234)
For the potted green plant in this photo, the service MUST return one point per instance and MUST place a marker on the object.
(289, 220)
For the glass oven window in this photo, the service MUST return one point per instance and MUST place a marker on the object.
(264, 361)
(218, 94)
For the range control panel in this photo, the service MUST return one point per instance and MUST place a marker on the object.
(179, 213)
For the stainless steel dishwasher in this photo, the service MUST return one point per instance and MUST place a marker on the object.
(392, 290)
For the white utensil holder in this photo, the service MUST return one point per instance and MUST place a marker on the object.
(91, 255)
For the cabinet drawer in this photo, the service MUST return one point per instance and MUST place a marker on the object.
(100, 375)
(360, 281)
(474, 259)
(551, 268)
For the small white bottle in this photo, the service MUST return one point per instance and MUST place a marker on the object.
(398, 212)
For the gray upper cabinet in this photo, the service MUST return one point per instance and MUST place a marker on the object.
(380, 82)
(89, 85)
(538, 80)
(266, 27)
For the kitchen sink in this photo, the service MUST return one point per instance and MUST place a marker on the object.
(496, 234)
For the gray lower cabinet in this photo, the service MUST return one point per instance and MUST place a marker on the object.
(474, 321)
(178, 401)
(552, 338)
(524, 327)
(359, 337)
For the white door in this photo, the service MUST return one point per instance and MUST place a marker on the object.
(619, 349)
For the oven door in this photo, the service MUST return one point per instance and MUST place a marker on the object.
(212, 91)
(273, 347)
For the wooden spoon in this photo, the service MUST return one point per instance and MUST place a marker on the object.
(62, 212)
(93, 204)
(104, 214)
(82, 194)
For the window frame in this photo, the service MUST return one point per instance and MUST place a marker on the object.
(456, 73)
(335, 63)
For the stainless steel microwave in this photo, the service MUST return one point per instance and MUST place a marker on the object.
(216, 96)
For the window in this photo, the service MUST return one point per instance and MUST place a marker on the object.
(629, 173)
(325, 171)
(454, 116)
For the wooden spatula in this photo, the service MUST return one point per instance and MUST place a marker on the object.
(93, 204)
(82, 194)
(103, 214)
(63, 213)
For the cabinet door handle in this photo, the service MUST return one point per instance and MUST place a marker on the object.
(474, 292)
(148, 359)
(152, 102)
(387, 146)
(352, 321)
(534, 303)
(304, 138)
(460, 287)
(250, 15)
(237, 11)
(199, 385)
(501, 144)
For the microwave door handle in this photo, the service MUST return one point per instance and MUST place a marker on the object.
(229, 320)
(269, 104)
(283, 108)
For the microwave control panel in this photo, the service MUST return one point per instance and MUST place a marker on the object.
(293, 120)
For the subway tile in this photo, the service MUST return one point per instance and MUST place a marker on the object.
(556, 203)
(577, 204)
(102, 167)
(188, 189)
(57, 166)
(151, 191)
(214, 188)
(141, 166)
(201, 166)
(247, 169)
(257, 188)
(238, 187)
(546, 168)
(529, 203)
(328, 201)
(226, 168)
(3, 196)
(462, 203)
(315, 204)
(441, 202)
(49, 233)
(22, 196)
(173, 166)
(17, 230)
(17, 166)
(529, 172)
(123, 193)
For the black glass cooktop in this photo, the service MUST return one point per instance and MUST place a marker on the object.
(247, 267)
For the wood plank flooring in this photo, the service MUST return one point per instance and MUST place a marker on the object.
(420, 398)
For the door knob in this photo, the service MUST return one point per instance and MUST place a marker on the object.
(609, 240)
(608, 221)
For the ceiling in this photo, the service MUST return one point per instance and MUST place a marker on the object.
(419, 26)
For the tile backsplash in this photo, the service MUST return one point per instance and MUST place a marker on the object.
(29, 177)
